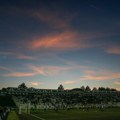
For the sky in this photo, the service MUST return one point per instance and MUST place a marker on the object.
(45, 43)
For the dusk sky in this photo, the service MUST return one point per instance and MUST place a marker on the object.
(45, 43)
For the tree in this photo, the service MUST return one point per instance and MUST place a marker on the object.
(94, 89)
(4, 89)
(108, 89)
(82, 88)
(101, 89)
(112, 89)
(61, 88)
(87, 88)
(22, 86)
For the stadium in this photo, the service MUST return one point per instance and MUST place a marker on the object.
(26, 101)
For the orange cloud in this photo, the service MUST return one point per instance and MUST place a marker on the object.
(100, 75)
(34, 83)
(36, 70)
(13, 73)
(19, 74)
(39, 70)
(95, 77)
(118, 89)
(48, 70)
(61, 41)
(53, 70)
(113, 50)
(117, 83)
(69, 82)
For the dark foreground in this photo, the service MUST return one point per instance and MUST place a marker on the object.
(108, 114)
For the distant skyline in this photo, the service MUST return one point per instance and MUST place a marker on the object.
(45, 43)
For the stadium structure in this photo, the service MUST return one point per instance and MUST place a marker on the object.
(58, 98)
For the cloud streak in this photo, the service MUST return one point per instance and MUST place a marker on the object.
(52, 18)
(19, 74)
(118, 89)
(52, 70)
(40, 70)
(113, 50)
(18, 55)
(5, 69)
(34, 83)
(117, 83)
(69, 82)
(67, 40)
(100, 75)
(64, 40)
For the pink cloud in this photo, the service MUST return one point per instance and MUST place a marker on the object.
(117, 83)
(13, 73)
(34, 83)
(69, 82)
(19, 74)
(53, 70)
(39, 70)
(100, 75)
(113, 50)
(95, 77)
(48, 70)
(118, 89)
(62, 41)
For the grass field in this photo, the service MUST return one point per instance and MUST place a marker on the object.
(109, 114)
(12, 116)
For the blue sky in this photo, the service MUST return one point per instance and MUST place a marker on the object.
(73, 42)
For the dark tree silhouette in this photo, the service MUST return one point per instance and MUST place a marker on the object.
(82, 88)
(101, 89)
(22, 86)
(87, 88)
(61, 88)
(94, 89)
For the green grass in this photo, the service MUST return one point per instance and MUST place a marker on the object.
(27, 117)
(109, 114)
(12, 116)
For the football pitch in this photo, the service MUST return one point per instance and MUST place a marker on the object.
(108, 114)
